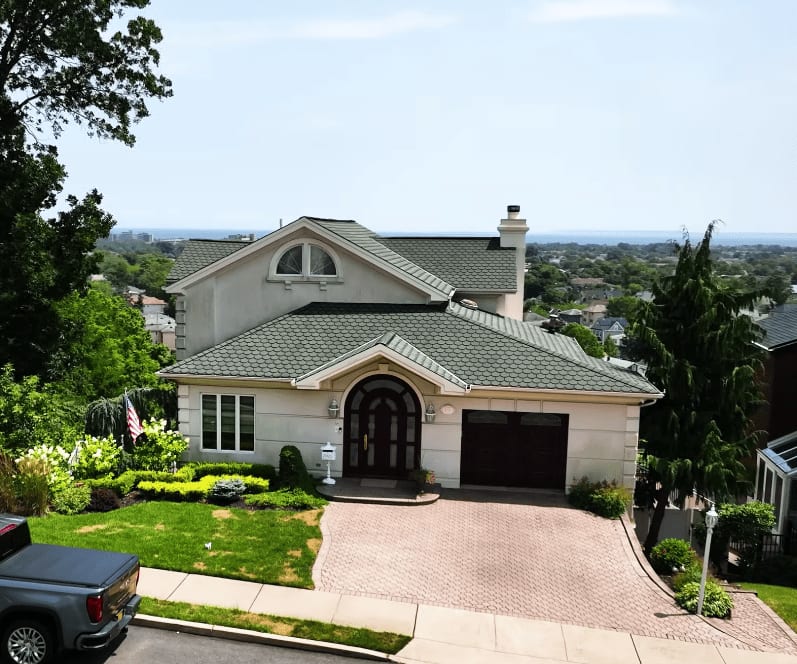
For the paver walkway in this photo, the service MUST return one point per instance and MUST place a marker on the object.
(519, 554)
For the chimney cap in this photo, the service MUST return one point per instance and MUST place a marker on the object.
(513, 208)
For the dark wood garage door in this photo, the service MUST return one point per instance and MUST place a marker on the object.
(514, 449)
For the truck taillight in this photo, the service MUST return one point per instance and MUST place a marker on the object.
(94, 608)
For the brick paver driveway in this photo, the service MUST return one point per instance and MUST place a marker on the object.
(520, 554)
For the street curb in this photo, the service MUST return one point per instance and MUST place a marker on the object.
(250, 636)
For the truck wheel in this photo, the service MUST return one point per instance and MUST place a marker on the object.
(27, 642)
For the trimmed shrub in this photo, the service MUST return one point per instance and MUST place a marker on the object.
(225, 492)
(198, 489)
(261, 470)
(130, 479)
(72, 499)
(671, 555)
(292, 472)
(177, 491)
(103, 500)
(288, 499)
(717, 603)
(691, 574)
(603, 498)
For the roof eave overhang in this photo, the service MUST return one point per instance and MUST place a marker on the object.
(200, 378)
(591, 394)
(316, 379)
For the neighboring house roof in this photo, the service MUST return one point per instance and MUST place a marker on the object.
(149, 299)
(780, 328)
(587, 281)
(200, 253)
(159, 322)
(596, 309)
(609, 321)
(470, 263)
(465, 346)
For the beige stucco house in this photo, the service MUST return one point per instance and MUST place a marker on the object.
(400, 351)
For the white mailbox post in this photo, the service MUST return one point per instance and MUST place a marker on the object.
(328, 455)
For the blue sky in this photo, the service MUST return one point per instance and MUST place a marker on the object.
(433, 116)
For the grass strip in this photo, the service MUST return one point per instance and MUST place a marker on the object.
(386, 642)
(265, 546)
(781, 599)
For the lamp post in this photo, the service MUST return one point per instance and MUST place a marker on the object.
(711, 521)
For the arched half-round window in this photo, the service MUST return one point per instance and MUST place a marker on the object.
(306, 260)
(321, 262)
(291, 261)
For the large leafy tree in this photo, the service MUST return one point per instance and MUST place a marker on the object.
(701, 353)
(106, 348)
(66, 61)
(61, 61)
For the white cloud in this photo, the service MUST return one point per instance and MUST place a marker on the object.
(241, 33)
(559, 11)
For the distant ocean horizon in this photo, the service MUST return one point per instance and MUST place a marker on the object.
(610, 238)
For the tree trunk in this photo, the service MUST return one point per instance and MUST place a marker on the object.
(652, 538)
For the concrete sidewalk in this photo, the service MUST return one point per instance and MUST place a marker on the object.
(444, 635)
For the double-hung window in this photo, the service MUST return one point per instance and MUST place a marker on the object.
(228, 422)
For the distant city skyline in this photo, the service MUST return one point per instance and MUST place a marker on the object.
(589, 114)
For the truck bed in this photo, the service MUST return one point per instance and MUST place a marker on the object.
(49, 563)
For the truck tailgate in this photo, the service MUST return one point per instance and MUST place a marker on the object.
(50, 563)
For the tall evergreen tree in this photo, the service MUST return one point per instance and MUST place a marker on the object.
(700, 352)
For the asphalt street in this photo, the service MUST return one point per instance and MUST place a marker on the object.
(142, 644)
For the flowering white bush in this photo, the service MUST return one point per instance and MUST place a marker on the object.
(95, 457)
(56, 459)
(158, 448)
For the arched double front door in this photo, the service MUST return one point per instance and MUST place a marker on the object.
(382, 429)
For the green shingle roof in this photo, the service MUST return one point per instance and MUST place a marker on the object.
(442, 263)
(367, 240)
(780, 328)
(477, 348)
(470, 263)
(201, 253)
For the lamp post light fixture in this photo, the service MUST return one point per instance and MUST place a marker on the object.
(333, 409)
(430, 413)
(711, 522)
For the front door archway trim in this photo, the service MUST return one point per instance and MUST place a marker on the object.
(382, 428)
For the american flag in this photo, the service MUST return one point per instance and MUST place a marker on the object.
(133, 423)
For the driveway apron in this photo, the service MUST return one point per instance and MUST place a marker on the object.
(515, 554)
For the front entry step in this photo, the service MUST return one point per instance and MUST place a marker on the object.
(375, 491)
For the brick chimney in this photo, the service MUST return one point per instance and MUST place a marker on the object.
(512, 231)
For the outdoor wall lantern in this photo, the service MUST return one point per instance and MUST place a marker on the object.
(430, 413)
(333, 409)
(711, 522)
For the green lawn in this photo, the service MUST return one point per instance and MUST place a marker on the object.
(303, 629)
(266, 546)
(780, 599)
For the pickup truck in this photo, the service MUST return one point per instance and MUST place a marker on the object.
(55, 598)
